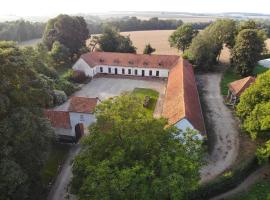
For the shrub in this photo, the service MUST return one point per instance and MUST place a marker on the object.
(59, 97)
(66, 86)
(79, 77)
(226, 182)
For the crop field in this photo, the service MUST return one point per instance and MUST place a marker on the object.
(158, 40)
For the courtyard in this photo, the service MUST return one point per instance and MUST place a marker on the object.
(104, 88)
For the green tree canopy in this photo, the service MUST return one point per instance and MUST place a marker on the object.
(254, 110)
(70, 31)
(247, 50)
(130, 155)
(111, 41)
(182, 37)
(148, 49)
(60, 56)
(24, 134)
(206, 47)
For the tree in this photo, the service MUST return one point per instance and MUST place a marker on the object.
(111, 41)
(247, 50)
(60, 56)
(70, 31)
(182, 37)
(206, 47)
(254, 111)
(148, 49)
(25, 135)
(130, 155)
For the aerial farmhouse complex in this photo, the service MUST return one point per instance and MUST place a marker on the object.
(180, 105)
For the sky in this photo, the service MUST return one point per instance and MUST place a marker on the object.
(53, 7)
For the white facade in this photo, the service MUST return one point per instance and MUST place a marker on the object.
(265, 63)
(85, 118)
(81, 65)
(184, 124)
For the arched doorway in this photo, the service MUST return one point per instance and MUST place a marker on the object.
(79, 131)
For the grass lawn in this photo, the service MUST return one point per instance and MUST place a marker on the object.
(143, 92)
(56, 157)
(259, 70)
(259, 191)
(229, 76)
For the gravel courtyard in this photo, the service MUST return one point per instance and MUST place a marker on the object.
(104, 88)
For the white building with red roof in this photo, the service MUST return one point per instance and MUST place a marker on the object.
(181, 104)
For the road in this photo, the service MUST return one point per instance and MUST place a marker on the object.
(60, 186)
(221, 124)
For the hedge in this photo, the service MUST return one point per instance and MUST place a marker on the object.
(226, 182)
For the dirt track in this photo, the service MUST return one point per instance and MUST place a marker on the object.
(222, 127)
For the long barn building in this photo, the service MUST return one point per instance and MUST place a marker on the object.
(181, 105)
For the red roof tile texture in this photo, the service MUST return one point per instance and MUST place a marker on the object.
(130, 60)
(182, 99)
(58, 119)
(239, 86)
(82, 104)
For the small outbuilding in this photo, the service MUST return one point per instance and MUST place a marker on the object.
(236, 88)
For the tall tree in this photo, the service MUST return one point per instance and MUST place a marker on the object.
(182, 37)
(24, 134)
(111, 41)
(254, 111)
(70, 31)
(60, 56)
(130, 155)
(247, 50)
(148, 49)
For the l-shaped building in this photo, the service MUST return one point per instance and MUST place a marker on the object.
(181, 104)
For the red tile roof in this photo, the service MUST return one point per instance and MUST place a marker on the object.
(130, 60)
(239, 86)
(82, 104)
(58, 119)
(182, 99)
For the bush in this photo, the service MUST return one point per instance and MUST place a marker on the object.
(59, 97)
(226, 182)
(79, 77)
(66, 86)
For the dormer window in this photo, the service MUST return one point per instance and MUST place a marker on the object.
(145, 63)
(130, 62)
(160, 64)
(101, 60)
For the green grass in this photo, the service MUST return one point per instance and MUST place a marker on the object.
(259, 70)
(143, 92)
(56, 157)
(229, 76)
(259, 191)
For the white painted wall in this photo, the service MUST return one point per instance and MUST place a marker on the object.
(86, 119)
(81, 65)
(91, 71)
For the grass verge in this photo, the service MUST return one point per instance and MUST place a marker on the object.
(259, 70)
(56, 157)
(229, 76)
(259, 191)
(143, 92)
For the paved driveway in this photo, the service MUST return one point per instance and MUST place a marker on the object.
(104, 88)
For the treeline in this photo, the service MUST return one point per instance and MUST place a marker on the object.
(21, 30)
(135, 24)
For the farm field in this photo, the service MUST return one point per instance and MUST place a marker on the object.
(157, 38)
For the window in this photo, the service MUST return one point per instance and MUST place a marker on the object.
(101, 69)
(157, 73)
(142, 72)
(129, 71)
(136, 71)
(110, 70)
(150, 73)
(123, 71)
(81, 118)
